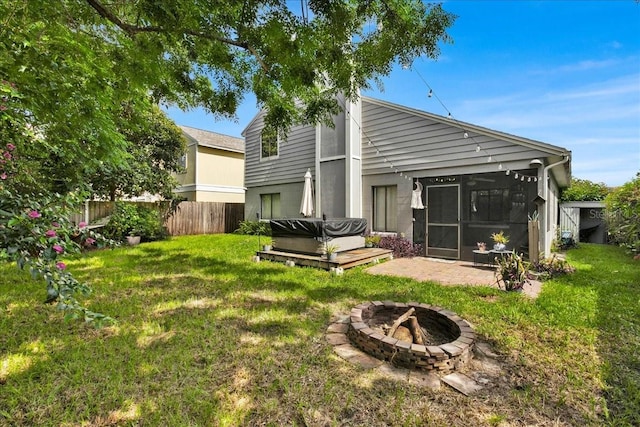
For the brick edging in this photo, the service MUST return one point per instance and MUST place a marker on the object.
(445, 357)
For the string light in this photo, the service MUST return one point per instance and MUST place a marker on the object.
(508, 172)
(500, 166)
(477, 148)
(430, 94)
(465, 135)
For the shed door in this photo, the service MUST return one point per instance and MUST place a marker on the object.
(570, 220)
(443, 221)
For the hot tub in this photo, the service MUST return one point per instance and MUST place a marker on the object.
(310, 235)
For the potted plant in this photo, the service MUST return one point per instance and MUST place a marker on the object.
(511, 272)
(482, 246)
(332, 251)
(371, 240)
(500, 241)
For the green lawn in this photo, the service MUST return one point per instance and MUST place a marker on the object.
(206, 337)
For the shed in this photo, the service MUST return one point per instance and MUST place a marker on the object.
(585, 220)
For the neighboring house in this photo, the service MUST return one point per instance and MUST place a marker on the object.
(475, 181)
(214, 167)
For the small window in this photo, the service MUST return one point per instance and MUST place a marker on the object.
(270, 205)
(269, 142)
(385, 211)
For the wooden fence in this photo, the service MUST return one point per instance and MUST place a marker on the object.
(189, 218)
(205, 218)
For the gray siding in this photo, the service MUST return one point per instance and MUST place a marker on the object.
(296, 155)
(416, 143)
(290, 198)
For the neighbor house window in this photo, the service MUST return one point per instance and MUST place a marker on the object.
(270, 205)
(182, 162)
(268, 143)
(385, 211)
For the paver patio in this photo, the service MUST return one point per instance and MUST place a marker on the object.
(445, 272)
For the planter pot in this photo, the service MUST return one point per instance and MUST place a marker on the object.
(368, 245)
(266, 248)
(332, 257)
(133, 240)
(499, 247)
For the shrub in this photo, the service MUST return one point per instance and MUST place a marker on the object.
(511, 272)
(401, 247)
(623, 215)
(130, 219)
(584, 190)
(253, 228)
(549, 268)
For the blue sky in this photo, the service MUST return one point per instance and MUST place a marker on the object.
(562, 72)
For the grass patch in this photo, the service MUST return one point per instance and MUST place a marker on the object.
(206, 337)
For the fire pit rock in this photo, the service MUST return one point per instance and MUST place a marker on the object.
(450, 339)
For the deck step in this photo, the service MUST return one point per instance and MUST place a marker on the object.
(346, 259)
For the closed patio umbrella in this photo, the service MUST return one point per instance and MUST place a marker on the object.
(306, 207)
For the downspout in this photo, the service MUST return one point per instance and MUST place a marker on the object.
(545, 173)
(545, 177)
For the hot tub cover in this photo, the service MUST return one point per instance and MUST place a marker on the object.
(317, 228)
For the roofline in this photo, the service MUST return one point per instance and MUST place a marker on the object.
(219, 147)
(542, 146)
(255, 118)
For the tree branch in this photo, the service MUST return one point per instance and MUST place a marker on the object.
(132, 30)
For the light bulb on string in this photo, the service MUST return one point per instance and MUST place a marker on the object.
(516, 176)
(508, 172)
(529, 179)
(477, 148)
(465, 135)
(535, 179)
(450, 116)
(489, 159)
(522, 179)
(500, 166)
(430, 94)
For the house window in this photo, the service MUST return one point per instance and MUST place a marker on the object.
(494, 204)
(385, 212)
(182, 162)
(268, 143)
(270, 205)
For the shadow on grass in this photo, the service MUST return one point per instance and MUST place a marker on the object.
(615, 279)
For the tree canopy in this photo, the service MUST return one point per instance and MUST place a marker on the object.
(80, 82)
(584, 190)
(76, 61)
(154, 148)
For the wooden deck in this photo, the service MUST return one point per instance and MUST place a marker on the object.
(345, 259)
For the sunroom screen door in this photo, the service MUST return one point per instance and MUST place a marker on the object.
(443, 221)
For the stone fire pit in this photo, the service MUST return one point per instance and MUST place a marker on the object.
(450, 339)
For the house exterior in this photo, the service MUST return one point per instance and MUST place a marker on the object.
(214, 167)
(383, 162)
